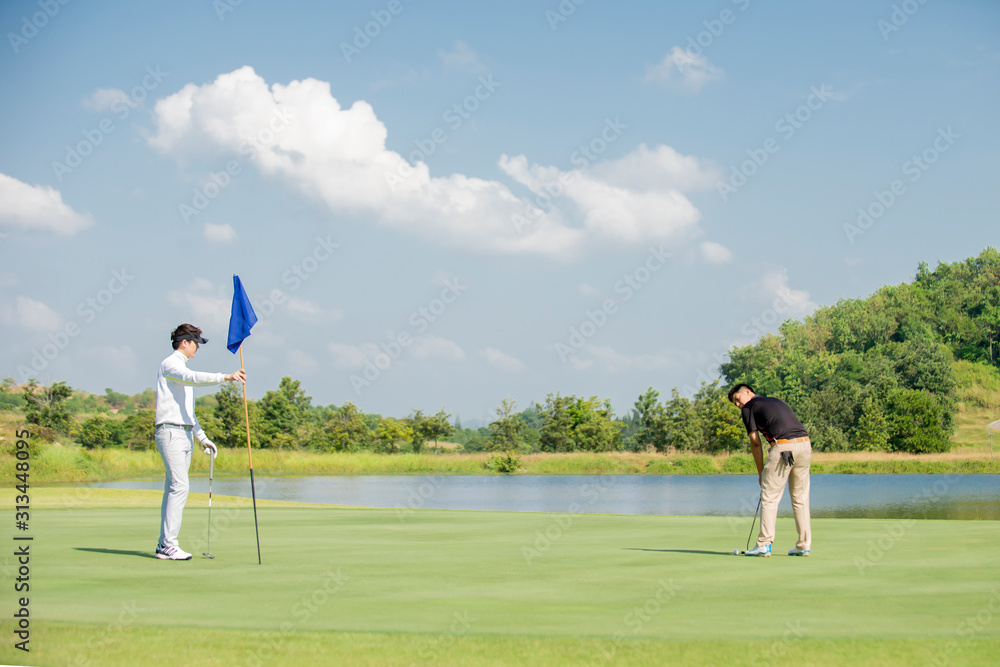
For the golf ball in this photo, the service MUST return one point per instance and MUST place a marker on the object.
(736, 552)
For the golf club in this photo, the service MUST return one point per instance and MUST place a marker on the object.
(736, 552)
(208, 529)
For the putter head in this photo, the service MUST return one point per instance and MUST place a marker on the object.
(208, 555)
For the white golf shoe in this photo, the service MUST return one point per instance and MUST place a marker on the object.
(171, 553)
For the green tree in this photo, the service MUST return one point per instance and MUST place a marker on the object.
(390, 433)
(429, 428)
(916, 422)
(140, 432)
(115, 399)
(722, 427)
(557, 425)
(682, 426)
(95, 433)
(346, 430)
(229, 414)
(506, 430)
(46, 406)
(873, 427)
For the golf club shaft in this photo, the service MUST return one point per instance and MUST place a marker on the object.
(208, 531)
(752, 523)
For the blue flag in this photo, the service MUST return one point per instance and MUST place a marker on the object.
(242, 318)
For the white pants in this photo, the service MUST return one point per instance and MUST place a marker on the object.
(175, 446)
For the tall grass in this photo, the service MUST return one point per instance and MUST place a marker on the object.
(978, 384)
(74, 464)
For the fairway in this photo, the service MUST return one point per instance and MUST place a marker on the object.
(371, 586)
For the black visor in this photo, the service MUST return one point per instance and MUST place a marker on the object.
(197, 339)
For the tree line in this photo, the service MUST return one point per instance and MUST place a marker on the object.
(864, 374)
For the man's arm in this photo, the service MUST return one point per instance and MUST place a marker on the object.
(758, 453)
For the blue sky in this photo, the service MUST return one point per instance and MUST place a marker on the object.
(439, 205)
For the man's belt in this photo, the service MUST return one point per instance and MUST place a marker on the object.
(788, 441)
(186, 427)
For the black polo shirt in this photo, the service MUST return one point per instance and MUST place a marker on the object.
(773, 418)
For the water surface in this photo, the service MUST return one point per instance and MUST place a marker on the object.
(839, 496)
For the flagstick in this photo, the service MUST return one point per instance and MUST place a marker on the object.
(253, 493)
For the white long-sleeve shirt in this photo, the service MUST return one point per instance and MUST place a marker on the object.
(175, 384)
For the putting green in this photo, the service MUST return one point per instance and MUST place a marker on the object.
(369, 586)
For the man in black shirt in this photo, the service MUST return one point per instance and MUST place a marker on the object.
(788, 459)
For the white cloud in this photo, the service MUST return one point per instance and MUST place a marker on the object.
(107, 99)
(687, 70)
(37, 207)
(772, 289)
(305, 310)
(793, 303)
(504, 362)
(615, 362)
(462, 58)
(347, 356)
(203, 304)
(301, 363)
(31, 315)
(586, 290)
(339, 157)
(715, 253)
(120, 359)
(8, 279)
(219, 233)
(633, 199)
(433, 347)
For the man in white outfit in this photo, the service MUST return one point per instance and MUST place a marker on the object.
(176, 428)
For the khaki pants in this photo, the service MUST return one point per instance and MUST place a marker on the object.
(773, 479)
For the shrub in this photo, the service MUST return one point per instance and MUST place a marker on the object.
(695, 465)
(739, 464)
(503, 463)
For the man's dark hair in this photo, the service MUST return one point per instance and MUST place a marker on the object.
(182, 333)
(737, 388)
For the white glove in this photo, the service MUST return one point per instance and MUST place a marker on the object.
(210, 448)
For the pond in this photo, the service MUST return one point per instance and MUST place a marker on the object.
(837, 496)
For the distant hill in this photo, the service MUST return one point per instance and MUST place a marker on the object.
(880, 373)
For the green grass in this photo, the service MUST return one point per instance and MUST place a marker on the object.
(74, 464)
(366, 586)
